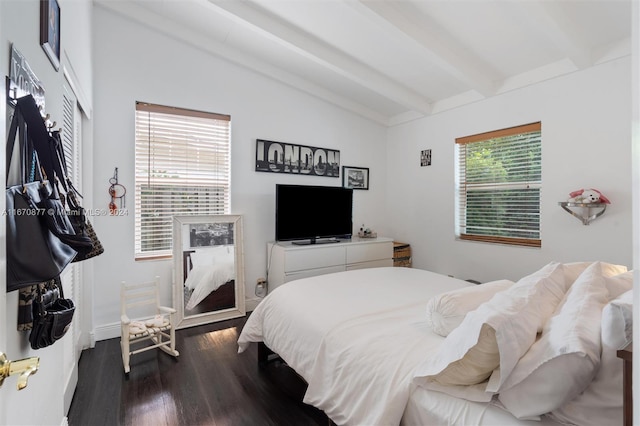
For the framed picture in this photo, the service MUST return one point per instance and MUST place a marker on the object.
(50, 30)
(210, 234)
(355, 177)
(425, 157)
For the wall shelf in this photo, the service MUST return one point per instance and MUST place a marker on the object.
(583, 211)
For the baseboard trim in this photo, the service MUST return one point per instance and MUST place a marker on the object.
(112, 331)
(104, 332)
(251, 304)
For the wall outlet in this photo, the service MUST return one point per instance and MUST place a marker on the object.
(261, 287)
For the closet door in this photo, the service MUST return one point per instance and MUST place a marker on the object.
(71, 139)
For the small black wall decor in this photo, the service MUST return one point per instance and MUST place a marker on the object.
(425, 157)
(281, 157)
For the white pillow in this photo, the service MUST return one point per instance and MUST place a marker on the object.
(209, 256)
(563, 361)
(503, 328)
(574, 269)
(601, 402)
(447, 310)
(618, 332)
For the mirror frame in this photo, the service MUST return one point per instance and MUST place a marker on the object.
(178, 277)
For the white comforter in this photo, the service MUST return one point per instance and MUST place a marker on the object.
(202, 280)
(322, 325)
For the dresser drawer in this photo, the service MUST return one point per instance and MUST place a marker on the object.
(314, 258)
(290, 276)
(368, 252)
(373, 264)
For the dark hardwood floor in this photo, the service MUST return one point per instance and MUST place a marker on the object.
(208, 384)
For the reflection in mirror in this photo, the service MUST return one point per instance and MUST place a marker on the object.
(208, 264)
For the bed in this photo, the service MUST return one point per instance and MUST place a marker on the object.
(365, 344)
(209, 278)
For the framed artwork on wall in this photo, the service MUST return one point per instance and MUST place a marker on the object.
(50, 30)
(425, 157)
(282, 157)
(355, 177)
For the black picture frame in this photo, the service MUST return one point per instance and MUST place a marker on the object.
(355, 177)
(50, 30)
(425, 157)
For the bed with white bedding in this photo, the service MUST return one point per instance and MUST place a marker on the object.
(207, 269)
(364, 341)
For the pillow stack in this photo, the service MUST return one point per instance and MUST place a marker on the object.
(495, 335)
(545, 344)
(601, 402)
(563, 361)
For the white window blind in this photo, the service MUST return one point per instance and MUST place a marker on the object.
(182, 168)
(499, 183)
(69, 136)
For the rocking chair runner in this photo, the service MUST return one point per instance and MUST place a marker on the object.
(152, 322)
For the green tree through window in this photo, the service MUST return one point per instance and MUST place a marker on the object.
(499, 184)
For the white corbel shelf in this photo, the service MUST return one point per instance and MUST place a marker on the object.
(585, 214)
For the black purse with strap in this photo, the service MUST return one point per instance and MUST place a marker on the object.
(52, 315)
(35, 253)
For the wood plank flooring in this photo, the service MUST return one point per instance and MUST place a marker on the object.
(208, 384)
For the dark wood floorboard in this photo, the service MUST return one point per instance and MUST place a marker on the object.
(208, 384)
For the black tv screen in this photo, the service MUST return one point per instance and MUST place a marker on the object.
(314, 213)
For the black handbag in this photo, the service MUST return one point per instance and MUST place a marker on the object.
(82, 226)
(52, 315)
(34, 253)
(76, 213)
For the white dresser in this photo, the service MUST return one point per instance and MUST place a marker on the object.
(287, 262)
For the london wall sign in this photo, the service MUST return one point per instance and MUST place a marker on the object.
(281, 157)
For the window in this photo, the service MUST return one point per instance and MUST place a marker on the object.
(499, 182)
(182, 168)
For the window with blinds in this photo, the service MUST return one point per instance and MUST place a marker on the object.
(183, 160)
(499, 182)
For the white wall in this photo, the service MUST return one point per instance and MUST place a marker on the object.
(19, 24)
(585, 143)
(635, 128)
(135, 63)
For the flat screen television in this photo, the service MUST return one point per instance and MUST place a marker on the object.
(313, 214)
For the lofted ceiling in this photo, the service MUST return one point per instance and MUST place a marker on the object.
(395, 61)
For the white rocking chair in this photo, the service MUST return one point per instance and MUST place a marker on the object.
(157, 325)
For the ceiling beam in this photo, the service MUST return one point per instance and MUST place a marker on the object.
(551, 20)
(170, 27)
(442, 50)
(321, 53)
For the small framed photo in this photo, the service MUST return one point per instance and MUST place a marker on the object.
(355, 177)
(50, 30)
(425, 157)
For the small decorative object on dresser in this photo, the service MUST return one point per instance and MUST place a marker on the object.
(401, 254)
(366, 233)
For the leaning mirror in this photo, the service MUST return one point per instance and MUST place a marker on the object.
(208, 268)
